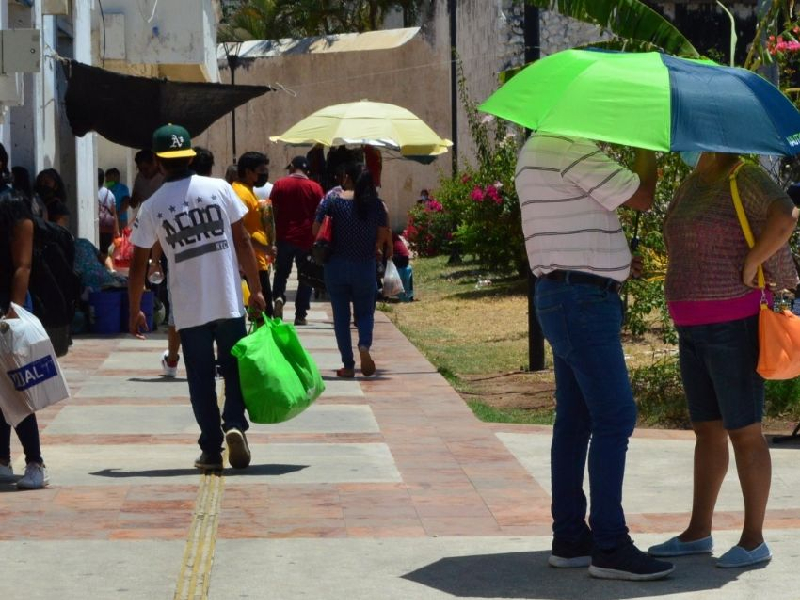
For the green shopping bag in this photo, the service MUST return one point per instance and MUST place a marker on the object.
(271, 388)
(285, 337)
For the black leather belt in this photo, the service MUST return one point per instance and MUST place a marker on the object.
(603, 283)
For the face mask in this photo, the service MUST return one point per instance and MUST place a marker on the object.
(262, 180)
(690, 158)
(46, 191)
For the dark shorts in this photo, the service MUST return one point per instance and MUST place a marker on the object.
(718, 369)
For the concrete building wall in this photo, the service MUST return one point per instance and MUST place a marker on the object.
(489, 40)
(412, 76)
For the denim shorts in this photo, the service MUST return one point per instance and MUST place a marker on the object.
(718, 368)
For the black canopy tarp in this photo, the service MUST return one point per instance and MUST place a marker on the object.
(127, 109)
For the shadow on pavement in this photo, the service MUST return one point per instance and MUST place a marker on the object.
(159, 379)
(358, 377)
(250, 471)
(527, 575)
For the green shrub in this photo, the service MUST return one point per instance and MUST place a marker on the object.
(430, 228)
(659, 395)
(782, 398)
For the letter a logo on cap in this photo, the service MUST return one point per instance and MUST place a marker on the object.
(172, 141)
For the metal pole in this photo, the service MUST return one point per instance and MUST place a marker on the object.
(451, 7)
(535, 335)
(232, 65)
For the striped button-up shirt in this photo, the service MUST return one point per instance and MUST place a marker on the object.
(569, 191)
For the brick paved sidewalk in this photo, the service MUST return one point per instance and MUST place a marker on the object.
(387, 488)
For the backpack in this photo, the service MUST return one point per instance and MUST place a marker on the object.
(54, 285)
(106, 218)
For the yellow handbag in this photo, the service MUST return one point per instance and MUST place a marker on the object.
(778, 332)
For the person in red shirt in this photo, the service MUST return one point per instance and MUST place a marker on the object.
(294, 202)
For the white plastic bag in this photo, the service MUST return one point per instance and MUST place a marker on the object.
(31, 378)
(392, 284)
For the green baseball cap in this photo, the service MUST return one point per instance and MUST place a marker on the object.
(172, 141)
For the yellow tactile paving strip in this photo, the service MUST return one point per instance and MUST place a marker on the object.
(198, 556)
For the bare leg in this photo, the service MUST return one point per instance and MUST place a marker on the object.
(173, 343)
(754, 464)
(710, 467)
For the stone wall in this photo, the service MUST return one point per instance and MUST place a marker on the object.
(557, 32)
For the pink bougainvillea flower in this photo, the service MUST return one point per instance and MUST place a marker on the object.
(477, 194)
(795, 29)
(466, 178)
(492, 193)
(434, 205)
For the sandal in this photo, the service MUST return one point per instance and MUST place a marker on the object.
(345, 372)
(367, 364)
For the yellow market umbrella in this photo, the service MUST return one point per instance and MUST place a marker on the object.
(381, 125)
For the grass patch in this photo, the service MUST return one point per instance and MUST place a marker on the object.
(490, 414)
(477, 337)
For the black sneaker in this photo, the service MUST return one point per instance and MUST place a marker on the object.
(238, 449)
(209, 462)
(571, 555)
(300, 321)
(627, 563)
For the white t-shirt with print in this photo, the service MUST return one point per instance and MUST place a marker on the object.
(192, 218)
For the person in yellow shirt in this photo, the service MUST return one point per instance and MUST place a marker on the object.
(252, 172)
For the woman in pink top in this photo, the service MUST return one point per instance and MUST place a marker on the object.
(713, 297)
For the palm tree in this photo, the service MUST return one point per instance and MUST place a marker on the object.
(276, 19)
(634, 25)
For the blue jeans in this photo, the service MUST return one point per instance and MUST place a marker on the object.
(351, 281)
(288, 254)
(593, 400)
(201, 370)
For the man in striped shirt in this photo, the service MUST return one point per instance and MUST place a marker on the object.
(569, 191)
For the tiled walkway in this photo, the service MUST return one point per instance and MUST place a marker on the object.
(387, 488)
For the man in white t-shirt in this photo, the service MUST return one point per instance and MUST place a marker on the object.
(569, 191)
(198, 222)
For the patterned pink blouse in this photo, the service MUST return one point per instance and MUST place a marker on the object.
(707, 248)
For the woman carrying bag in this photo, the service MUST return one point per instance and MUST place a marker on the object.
(16, 252)
(360, 227)
(713, 297)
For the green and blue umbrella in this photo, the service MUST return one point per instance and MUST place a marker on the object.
(650, 100)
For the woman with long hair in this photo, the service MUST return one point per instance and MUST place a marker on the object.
(50, 188)
(16, 254)
(360, 231)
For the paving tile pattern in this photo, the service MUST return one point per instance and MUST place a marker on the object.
(400, 455)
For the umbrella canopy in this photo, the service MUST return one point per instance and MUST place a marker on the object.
(127, 109)
(650, 100)
(376, 124)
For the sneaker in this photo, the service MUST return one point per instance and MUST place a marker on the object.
(278, 308)
(169, 367)
(238, 450)
(571, 555)
(300, 321)
(738, 557)
(675, 547)
(367, 364)
(209, 462)
(627, 563)
(7, 473)
(35, 477)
